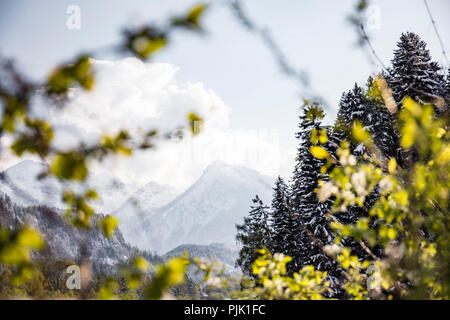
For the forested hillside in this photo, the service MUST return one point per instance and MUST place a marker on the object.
(65, 246)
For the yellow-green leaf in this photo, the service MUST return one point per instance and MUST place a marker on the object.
(319, 152)
(141, 263)
(392, 165)
(69, 166)
(109, 225)
(195, 123)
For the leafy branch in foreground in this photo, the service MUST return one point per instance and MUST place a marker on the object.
(35, 136)
(410, 219)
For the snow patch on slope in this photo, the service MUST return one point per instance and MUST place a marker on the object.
(22, 184)
(205, 213)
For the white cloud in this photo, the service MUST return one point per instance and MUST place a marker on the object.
(132, 94)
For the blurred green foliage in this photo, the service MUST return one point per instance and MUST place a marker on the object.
(13, 111)
(146, 40)
(192, 19)
(410, 219)
(35, 140)
(69, 166)
(273, 283)
(170, 274)
(77, 73)
(108, 225)
(15, 251)
(79, 212)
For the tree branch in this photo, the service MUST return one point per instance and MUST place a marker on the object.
(436, 31)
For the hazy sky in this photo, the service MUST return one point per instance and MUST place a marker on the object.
(228, 60)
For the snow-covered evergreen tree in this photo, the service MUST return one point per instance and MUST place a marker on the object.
(446, 92)
(413, 73)
(356, 105)
(352, 106)
(300, 223)
(253, 234)
(381, 125)
(314, 230)
(310, 119)
(279, 212)
(284, 226)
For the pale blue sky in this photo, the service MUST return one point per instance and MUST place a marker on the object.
(229, 60)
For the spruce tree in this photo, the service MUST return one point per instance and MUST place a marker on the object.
(382, 125)
(253, 234)
(310, 119)
(314, 230)
(356, 105)
(280, 209)
(446, 91)
(305, 179)
(284, 226)
(413, 73)
(352, 107)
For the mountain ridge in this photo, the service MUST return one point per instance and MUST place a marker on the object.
(205, 213)
(24, 184)
(156, 217)
(65, 242)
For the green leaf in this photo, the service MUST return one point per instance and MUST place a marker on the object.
(170, 274)
(80, 72)
(319, 152)
(14, 110)
(144, 46)
(392, 165)
(108, 289)
(36, 139)
(141, 263)
(192, 19)
(69, 166)
(145, 41)
(108, 226)
(195, 123)
(359, 133)
(196, 13)
(28, 237)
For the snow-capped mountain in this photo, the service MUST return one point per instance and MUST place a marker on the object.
(63, 241)
(150, 196)
(156, 217)
(205, 213)
(20, 182)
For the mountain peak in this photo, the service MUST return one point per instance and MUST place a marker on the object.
(26, 165)
(221, 171)
(217, 165)
(206, 212)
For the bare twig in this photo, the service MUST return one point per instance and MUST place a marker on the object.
(366, 38)
(366, 248)
(298, 75)
(436, 31)
(286, 68)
